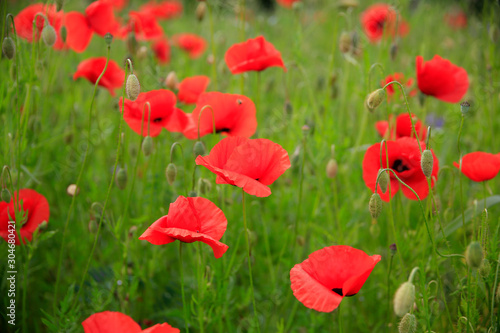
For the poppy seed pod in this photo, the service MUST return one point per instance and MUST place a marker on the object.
(108, 38)
(408, 324)
(171, 81)
(121, 178)
(5, 195)
(427, 163)
(331, 168)
(375, 205)
(171, 173)
(147, 145)
(375, 98)
(133, 87)
(474, 255)
(49, 35)
(201, 9)
(199, 149)
(8, 47)
(404, 298)
(383, 180)
(485, 268)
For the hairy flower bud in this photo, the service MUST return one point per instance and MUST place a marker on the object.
(9, 47)
(375, 205)
(474, 255)
(427, 162)
(147, 145)
(199, 149)
(383, 180)
(375, 98)
(408, 324)
(332, 168)
(5, 195)
(121, 178)
(133, 87)
(404, 298)
(49, 35)
(171, 173)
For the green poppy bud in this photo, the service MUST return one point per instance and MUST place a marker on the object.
(171, 173)
(464, 107)
(408, 324)
(9, 47)
(108, 38)
(49, 35)
(204, 186)
(427, 162)
(147, 145)
(404, 298)
(332, 168)
(121, 178)
(474, 255)
(375, 205)
(96, 210)
(199, 149)
(375, 98)
(133, 87)
(383, 180)
(485, 268)
(5, 195)
(201, 9)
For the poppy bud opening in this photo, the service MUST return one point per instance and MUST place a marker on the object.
(375, 205)
(383, 180)
(375, 99)
(133, 87)
(408, 324)
(9, 47)
(49, 35)
(171, 173)
(404, 298)
(5, 195)
(147, 145)
(427, 163)
(121, 178)
(331, 168)
(199, 149)
(474, 255)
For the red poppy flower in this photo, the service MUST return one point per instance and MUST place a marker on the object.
(191, 88)
(79, 33)
(161, 48)
(117, 4)
(164, 114)
(403, 128)
(456, 19)
(190, 220)
(36, 211)
(330, 274)
(163, 10)
(144, 25)
(287, 3)
(393, 88)
(234, 115)
(404, 159)
(253, 55)
(442, 79)
(91, 69)
(249, 164)
(111, 322)
(193, 44)
(382, 18)
(480, 166)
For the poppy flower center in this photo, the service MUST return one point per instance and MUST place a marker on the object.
(157, 120)
(339, 292)
(399, 166)
(225, 130)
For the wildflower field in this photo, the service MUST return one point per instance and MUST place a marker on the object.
(250, 166)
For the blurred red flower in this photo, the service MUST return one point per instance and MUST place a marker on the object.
(164, 114)
(380, 19)
(191, 88)
(35, 209)
(91, 68)
(161, 49)
(480, 166)
(442, 79)
(190, 220)
(253, 55)
(117, 4)
(402, 128)
(234, 115)
(404, 159)
(287, 3)
(193, 44)
(330, 274)
(249, 164)
(144, 25)
(111, 322)
(456, 19)
(162, 10)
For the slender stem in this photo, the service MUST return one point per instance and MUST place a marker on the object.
(493, 293)
(389, 312)
(299, 205)
(184, 304)
(201, 287)
(256, 318)
(460, 178)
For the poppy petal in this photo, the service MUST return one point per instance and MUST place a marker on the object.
(101, 18)
(110, 322)
(480, 166)
(79, 33)
(161, 328)
(191, 88)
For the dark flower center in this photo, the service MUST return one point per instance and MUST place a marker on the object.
(157, 120)
(339, 292)
(398, 166)
(225, 129)
(380, 24)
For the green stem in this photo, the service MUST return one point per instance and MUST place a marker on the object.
(460, 178)
(201, 288)
(299, 205)
(184, 304)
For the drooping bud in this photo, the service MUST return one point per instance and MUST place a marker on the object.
(383, 180)
(108, 38)
(201, 9)
(49, 35)
(375, 98)
(121, 178)
(199, 149)
(59, 4)
(464, 107)
(404, 298)
(147, 145)
(408, 324)
(368, 107)
(133, 87)
(9, 47)
(171, 81)
(485, 268)
(474, 255)
(5, 195)
(171, 173)
(204, 186)
(72, 190)
(332, 168)
(375, 205)
(427, 162)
